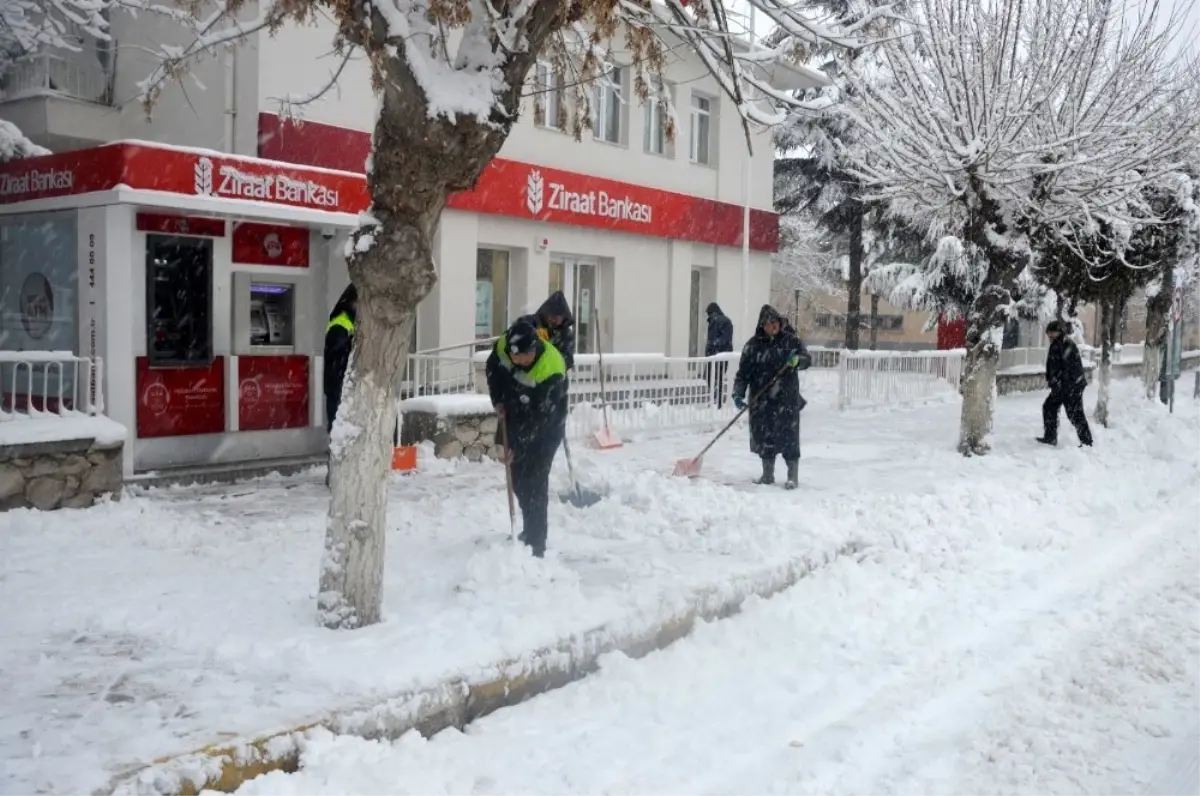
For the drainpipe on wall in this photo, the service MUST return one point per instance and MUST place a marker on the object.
(231, 107)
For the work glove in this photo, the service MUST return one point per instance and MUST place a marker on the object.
(739, 401)
(794, 361)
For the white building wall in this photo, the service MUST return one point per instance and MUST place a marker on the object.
(287, 66)
(214, 107)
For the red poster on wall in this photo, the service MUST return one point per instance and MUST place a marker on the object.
(178, 402)
(272, 392)
(270, 244)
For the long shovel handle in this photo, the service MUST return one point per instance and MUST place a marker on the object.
(508, 481)
(600, 361)
(571, 470)
(753, 399)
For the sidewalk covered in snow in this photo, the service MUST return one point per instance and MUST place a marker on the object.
(186, 616)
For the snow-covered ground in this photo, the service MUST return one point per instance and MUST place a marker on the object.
(1036, 630)
(1005, 608)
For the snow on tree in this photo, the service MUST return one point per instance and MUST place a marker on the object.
(821, 146)
(450, 76)
(30, 27)
(984, 98)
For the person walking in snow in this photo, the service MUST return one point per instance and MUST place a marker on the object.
(527, 382)
(556, 326)
(1067, 380)
(720, 341)
(775, 350)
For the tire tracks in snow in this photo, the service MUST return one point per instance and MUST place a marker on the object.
(851, 745)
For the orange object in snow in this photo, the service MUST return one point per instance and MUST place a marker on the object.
(404, 458)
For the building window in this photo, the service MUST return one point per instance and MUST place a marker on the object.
(39, 305)
(179, 300)
(606, 110)
(700, 144)
(491, 293)
(548, 108)
(39, 309)
(824, 320)
(656, 122)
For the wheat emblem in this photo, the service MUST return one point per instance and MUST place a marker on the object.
(204, 177)
(535, 190)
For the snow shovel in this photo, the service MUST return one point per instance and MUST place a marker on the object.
(604, 439)
(512, 506)
(578, 497)
(690, 468)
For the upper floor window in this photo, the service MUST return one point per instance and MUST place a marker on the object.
(700, 142)
(606, 106)
(548, 108)
(655, 138)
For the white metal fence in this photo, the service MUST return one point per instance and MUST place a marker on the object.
(49, 383)
(444, 370)
(1032, 358)
(655, 391)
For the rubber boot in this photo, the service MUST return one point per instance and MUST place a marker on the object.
(793, 468)
(768, 473)
(1046, 440)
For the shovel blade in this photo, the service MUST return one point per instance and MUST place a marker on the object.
(604, 439)
(581, 498)
(688, 468)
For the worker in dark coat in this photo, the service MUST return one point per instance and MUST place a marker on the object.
(1067, 380)
(557, 325)
(720, 341)
(339, 342)
(774, 407)
(527, 382)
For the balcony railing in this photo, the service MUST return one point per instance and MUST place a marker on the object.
(48, 74)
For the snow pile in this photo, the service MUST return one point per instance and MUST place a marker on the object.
(21, 429)
(15, 146)
(454, 405)
(168, 620)
(1027, 628)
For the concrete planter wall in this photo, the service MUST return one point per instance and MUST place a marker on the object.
(67, 474)
(472, 436)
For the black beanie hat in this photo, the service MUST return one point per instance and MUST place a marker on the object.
(522, 338)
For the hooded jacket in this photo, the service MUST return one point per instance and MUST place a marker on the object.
(561, 337)
(720, 331)
(774, 407)
(339, 342)
(534, 398)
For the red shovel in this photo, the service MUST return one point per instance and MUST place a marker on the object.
(690, 468)
(603, 439)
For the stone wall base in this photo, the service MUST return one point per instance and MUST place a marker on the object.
(67, 474)
(472, 437)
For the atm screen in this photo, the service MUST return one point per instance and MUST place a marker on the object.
(272, 314)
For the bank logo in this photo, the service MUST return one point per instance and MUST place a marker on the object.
(204, 177)
(535, 192)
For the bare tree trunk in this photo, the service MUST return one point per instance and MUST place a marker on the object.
(392, 268)
(874, 321)
(855, 278)
(1107, 326)
(985, 336)
(1158, 308)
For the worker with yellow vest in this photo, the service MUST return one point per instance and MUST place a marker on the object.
(527, 382)
(339, 341)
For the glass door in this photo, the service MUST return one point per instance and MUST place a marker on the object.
(579, 280)
(695, 331)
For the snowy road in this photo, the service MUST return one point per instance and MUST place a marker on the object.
(1025, 621)
(1050, 646)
